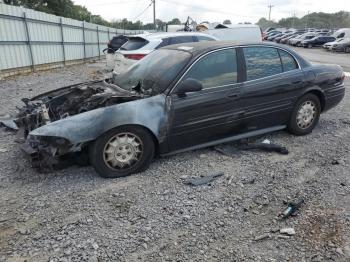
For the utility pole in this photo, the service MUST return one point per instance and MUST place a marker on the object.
(307, 19)
(293, 20)
(154, 15)
(270, 6)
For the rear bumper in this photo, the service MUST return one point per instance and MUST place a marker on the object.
(334, 97)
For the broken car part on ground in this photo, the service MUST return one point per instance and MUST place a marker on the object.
(180, 98)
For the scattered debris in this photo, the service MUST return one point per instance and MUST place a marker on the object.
(266, 145)
(203, 180)
(287, 231)
(262, 237)
(9, 123)
(335, 162)
(266, 141)
(292, 208)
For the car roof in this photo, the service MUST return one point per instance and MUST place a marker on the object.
(161, 35)
(197, 48)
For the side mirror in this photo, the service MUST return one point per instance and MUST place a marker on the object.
(188, 85)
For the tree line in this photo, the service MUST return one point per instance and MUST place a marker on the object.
(313, 20)
(67, 8)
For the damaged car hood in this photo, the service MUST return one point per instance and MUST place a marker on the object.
(149, 112)
(82, 112)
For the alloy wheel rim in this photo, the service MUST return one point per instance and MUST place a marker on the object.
(306, 114)
(122, 151)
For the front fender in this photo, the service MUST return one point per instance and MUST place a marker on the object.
(148, 112)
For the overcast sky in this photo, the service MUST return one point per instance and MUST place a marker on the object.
(214, 11)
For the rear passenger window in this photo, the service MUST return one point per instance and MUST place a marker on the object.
(216, 69)
(181, 39)
(261, 62)
(288, 62)
(134, 44)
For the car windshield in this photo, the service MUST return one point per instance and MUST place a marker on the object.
(153, 74)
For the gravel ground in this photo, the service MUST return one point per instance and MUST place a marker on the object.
(74, 215)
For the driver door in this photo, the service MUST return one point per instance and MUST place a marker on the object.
(212, 113)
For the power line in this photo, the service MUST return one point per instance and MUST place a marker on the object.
(143, 11)
(115, 3)
(209, 10)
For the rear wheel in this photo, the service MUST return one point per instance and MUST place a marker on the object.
(347, 50)
(305, 115)
(122, 151)
(309, 45)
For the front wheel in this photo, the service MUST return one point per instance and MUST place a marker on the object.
(122, 151)
(305, 115)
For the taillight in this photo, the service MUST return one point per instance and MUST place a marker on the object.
(342, 77)
(134, 56)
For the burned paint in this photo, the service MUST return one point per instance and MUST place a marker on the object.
(148, 112)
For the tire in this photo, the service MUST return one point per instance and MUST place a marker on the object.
(305, 125)
(122, 151)
(309, 45)
(347, 49)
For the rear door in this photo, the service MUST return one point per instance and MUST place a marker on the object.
(272, 84)
(212, 113)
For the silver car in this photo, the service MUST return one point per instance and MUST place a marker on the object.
(141, 45)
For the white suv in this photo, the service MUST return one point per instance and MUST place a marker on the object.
(139, 46)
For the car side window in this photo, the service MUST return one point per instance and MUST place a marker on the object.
(261, 62)
(288, 61)
(181, 39)
(215, 69)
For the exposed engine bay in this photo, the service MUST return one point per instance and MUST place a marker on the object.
(69, 101)
(46, 152)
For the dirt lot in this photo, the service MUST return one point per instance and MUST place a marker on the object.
(74, 215)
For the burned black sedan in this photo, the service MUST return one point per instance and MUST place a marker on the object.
(179, 98)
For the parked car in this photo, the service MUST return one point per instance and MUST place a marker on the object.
(115, 43)
(243, 33)
(269, 29)
(328, 45)
(317, 41)
(286, 39)
(141, 45)
(272, 37)
(279, 38)
(293, 39)
(343, 46)
(297, 41)
(271, 33)
(179, 98)
(342, 33)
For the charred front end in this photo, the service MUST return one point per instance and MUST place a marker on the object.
(47, 108)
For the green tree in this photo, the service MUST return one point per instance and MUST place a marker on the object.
(174, 21)
(227, 22)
